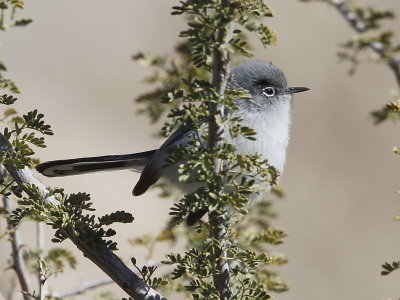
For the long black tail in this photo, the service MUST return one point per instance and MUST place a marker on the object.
(75, 166)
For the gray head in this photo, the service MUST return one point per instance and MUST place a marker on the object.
(266, 83)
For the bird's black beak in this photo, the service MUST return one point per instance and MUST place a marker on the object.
(293, 90)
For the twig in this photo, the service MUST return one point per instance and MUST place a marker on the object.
(220, 76)
(41, 278)
(105, 259)
(18, 262)
(83, 288)
(359, 26)
(218, 233)
(40, 248)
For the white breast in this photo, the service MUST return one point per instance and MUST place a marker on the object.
(272, 127)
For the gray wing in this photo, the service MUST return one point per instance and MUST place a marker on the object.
(152, 171)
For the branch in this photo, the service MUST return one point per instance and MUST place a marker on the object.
(104, 259)
(220, 76)
(359, 26)
(218, 232)
(18, 263)
(24, 176)
(82, 288)
(40, 247)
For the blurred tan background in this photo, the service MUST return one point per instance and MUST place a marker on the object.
(341, 180)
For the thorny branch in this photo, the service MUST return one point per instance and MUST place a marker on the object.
(18, 263)
(220, 76)
(105, 259)
(40, 248)
(359, 26)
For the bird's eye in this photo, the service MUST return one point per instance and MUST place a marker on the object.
(269, 91)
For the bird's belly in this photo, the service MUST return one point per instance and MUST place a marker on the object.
(270, 148)
(271, 140)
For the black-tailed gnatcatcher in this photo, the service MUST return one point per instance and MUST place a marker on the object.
(267, 112)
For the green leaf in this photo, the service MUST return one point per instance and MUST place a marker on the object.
(58, 256)
(7, 99)
(2, 66)
(22, 22)
(390, 267)
(8, 84)
(118, 216)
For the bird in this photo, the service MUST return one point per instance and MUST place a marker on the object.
(267, 111)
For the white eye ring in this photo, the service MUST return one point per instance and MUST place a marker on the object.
(269, 91)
